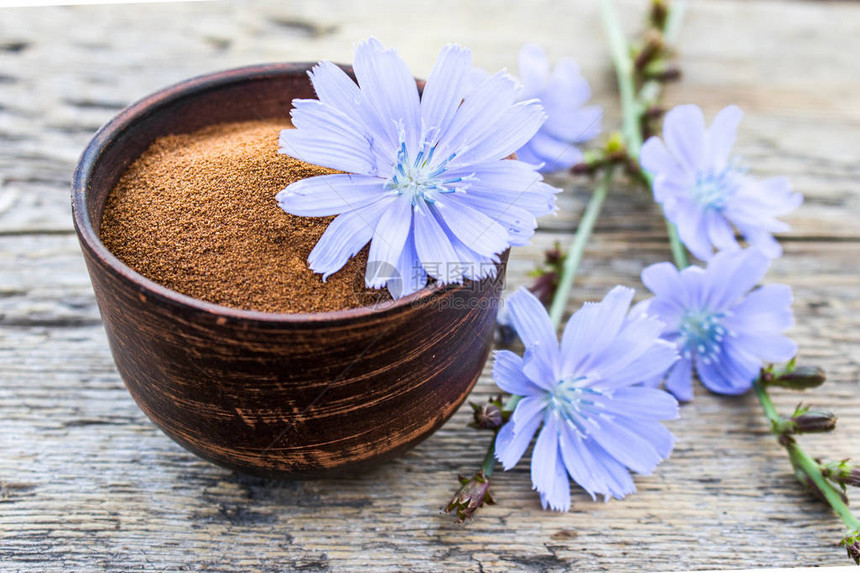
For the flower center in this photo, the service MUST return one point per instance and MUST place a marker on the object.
(713, 189)
(423, 177)
(702, 331)
(574, 403)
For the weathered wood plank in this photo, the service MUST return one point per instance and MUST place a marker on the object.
(66, 80)
(85, 474)
(87, 483)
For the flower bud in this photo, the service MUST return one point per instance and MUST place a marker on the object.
(663, 74)
(814, 421)
(843, 473)
(806, 421)
(554, 256)
(659, 14)
(653, 47)
(473, 494)
(800, 378)
(582, 169)
(851, 542)
(615, 144)
(487, 416)
(545, 286)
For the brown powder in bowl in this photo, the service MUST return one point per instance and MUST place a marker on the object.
(197, 214)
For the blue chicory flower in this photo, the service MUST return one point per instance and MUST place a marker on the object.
(704, 190)
(426, 181)
(720, 327)
(598, 424)
(563, 92)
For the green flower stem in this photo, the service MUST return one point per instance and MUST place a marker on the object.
(490, 457)
(679, 253)
(577, 246)
(623, 63)
(652, 89)
(766, 403)
(633, 105)
(512, 403)
(806, 464)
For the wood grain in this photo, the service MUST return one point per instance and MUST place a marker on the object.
(88, 483)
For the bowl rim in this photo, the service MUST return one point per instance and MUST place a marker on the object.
(151, 104)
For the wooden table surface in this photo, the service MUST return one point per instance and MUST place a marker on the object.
(88, 483)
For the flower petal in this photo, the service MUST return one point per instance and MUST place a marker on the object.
(533, 68)
(514, 126)
(410, 272)
(627, 447)
(653, 432)
(558, 497)
(434, 247)
(720, 232)
(388, 242)
(323, 128)
(567, 86)
(614, 478)
(684, 133)
(533, 326)
(722, 134)
(333, 148)
(594, 328)
(768, 307)
(336, 89)
(656, 159)
(508, 374)
(477, 231)
(763, 241)
(731, 274)
(327, 195)
(541, 371)
(545, 456)
(513, 441)
(680, 380)
(576, 126)
(733, 373)
(390, 91)
(655, 359)
(579, 462)
(510, 182)
(526, 154)
(692, 231)
(344, 237)
(472, 265)
(609, 316)
(645, 403)
(518, 222)
(479, 112)
(664, 281)
(554, 154)
(528, 408)
(446, 86)
(768, 346)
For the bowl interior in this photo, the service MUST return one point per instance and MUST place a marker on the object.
(243, 94)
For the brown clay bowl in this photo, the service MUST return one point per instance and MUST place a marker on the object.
(277, 395)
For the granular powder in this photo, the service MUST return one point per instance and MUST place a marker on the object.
(197, 214)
